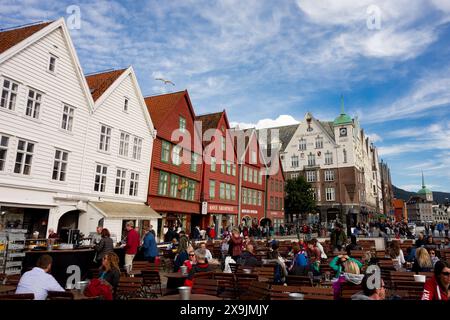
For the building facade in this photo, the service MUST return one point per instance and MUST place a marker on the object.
(400, 211)
(387, 192)
(341, 164)
(220, 173)
(177, 166)
(275, 195)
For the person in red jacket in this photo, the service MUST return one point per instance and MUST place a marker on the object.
(436, 288)
(132, 245)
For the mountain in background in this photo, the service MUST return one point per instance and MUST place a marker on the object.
(438, 197)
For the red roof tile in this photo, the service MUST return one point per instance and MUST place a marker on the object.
(10, 38)
(160, 106)
(100, 82)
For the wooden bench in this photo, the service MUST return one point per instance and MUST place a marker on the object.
(348, 290)
(292, 280)
(256, 291)
(317, 293)
(280, 292)
(129, 287)
(226, 284)
(205, 286)
(151, 283)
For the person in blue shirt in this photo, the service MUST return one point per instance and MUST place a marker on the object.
(150, 247)
(300, 264)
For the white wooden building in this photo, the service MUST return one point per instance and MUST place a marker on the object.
(50, 129)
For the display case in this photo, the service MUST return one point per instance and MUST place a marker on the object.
(15, 251)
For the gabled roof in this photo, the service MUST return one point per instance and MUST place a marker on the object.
(285, 134)
(160, 106)
(210, 120)
(10, 38)
(100, 82)
(328, 127)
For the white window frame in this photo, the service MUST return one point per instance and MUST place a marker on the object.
(134, 184)
(25, 154)
(311, 159)
(194, 162)
(222, 191)
(311, 176)
(55, 64)
(60, 165)
(137, 148)
(294, 162)
(68, 115)
(212, 189)
(233, 192)
(254, 157)
(176, 155)
(4, 148)
(182, 124)
(121, 179)
(163, 184)
(328, 158)
(302, 144)
(319, 142)
(329, 175)
(105, 138)
(330, 194)
(8, 102)
(124, 143)
(102, 176)
(213, 164)
(36, 103)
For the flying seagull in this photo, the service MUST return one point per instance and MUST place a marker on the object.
(165, 81)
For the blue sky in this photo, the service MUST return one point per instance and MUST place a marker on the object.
(269, 62)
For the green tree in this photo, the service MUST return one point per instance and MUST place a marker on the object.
(299, 197)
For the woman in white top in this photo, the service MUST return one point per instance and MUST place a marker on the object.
(396, 253)
(320, 247)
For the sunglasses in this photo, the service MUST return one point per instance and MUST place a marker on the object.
(445, 274)
(192, 255)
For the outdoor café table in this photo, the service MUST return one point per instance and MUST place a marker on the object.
(78, 295)
(192, 297)
(7, 289)
(175, 280)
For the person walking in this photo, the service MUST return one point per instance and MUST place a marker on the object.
(338, 238)
(236, 244)
(131, 245)
(150, 247)
(105, 246)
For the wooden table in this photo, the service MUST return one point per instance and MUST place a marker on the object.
(77, 295)
(7, 289)
(193, 297)
(175, 280)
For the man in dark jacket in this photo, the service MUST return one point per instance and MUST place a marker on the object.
(247, 257)
(338, 237)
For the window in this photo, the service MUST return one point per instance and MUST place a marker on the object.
(120, 181)
(253, 157)
(245, 173)
(328, 158)
(137, 148)
(222, 166)
(294, 161)
(272, 203)
(313, 192)
(191, 190)
(182, 124)
(294, 175)
(125, 105)
(319, 143)
(345, 155)
(212, 189)
(33, 104)
(374, 190)
(100, 178)
(184, 188)
(227, 191)
(310, 176)
(260, 177)
(165, 151)
(271, 185)
(259, 198)
(233, 167)
(4, 141)
(194, 162)
(67, 118)
(60, 165)
(52, 63)
(222, 191)
(329, 175)
(124, 143)
(233, 192)
(330, 196)
(213, 164)
(173, 185)
(244, 196)
(24, 157)
(302, 144)
(255, 197)
(162, 186)
(176, 155)
(105, 138)
(228, 167)
(9, 94)
(134, 184)
(255, 176)
(224, 143)
(250, 175)
(311, 160)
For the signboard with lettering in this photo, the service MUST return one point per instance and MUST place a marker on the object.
(204, 207)
(220, 208)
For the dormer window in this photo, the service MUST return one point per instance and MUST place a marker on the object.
(125, 105)
(52, 63)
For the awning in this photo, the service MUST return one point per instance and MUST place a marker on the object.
(120, 210)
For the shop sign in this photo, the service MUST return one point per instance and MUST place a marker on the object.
(204, 207)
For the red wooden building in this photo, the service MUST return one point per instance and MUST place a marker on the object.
(220, 173)
(176, 168)
(275, 194)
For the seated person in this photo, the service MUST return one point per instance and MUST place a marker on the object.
(190, 262)
(110, 270)
(430, 243)
(299, 265)
(433, 257)
(348, 270)
(422, 262)
(437, 287)
(208, 255)
(248, 258)
(370, 292)
(38, 280)
(201, 265)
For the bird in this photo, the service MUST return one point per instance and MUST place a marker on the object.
(165, 81)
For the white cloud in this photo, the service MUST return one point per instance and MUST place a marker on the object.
(374, 137)
(282, 120)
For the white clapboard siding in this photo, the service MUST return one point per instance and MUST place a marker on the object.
(29, 68)
(111, 113)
